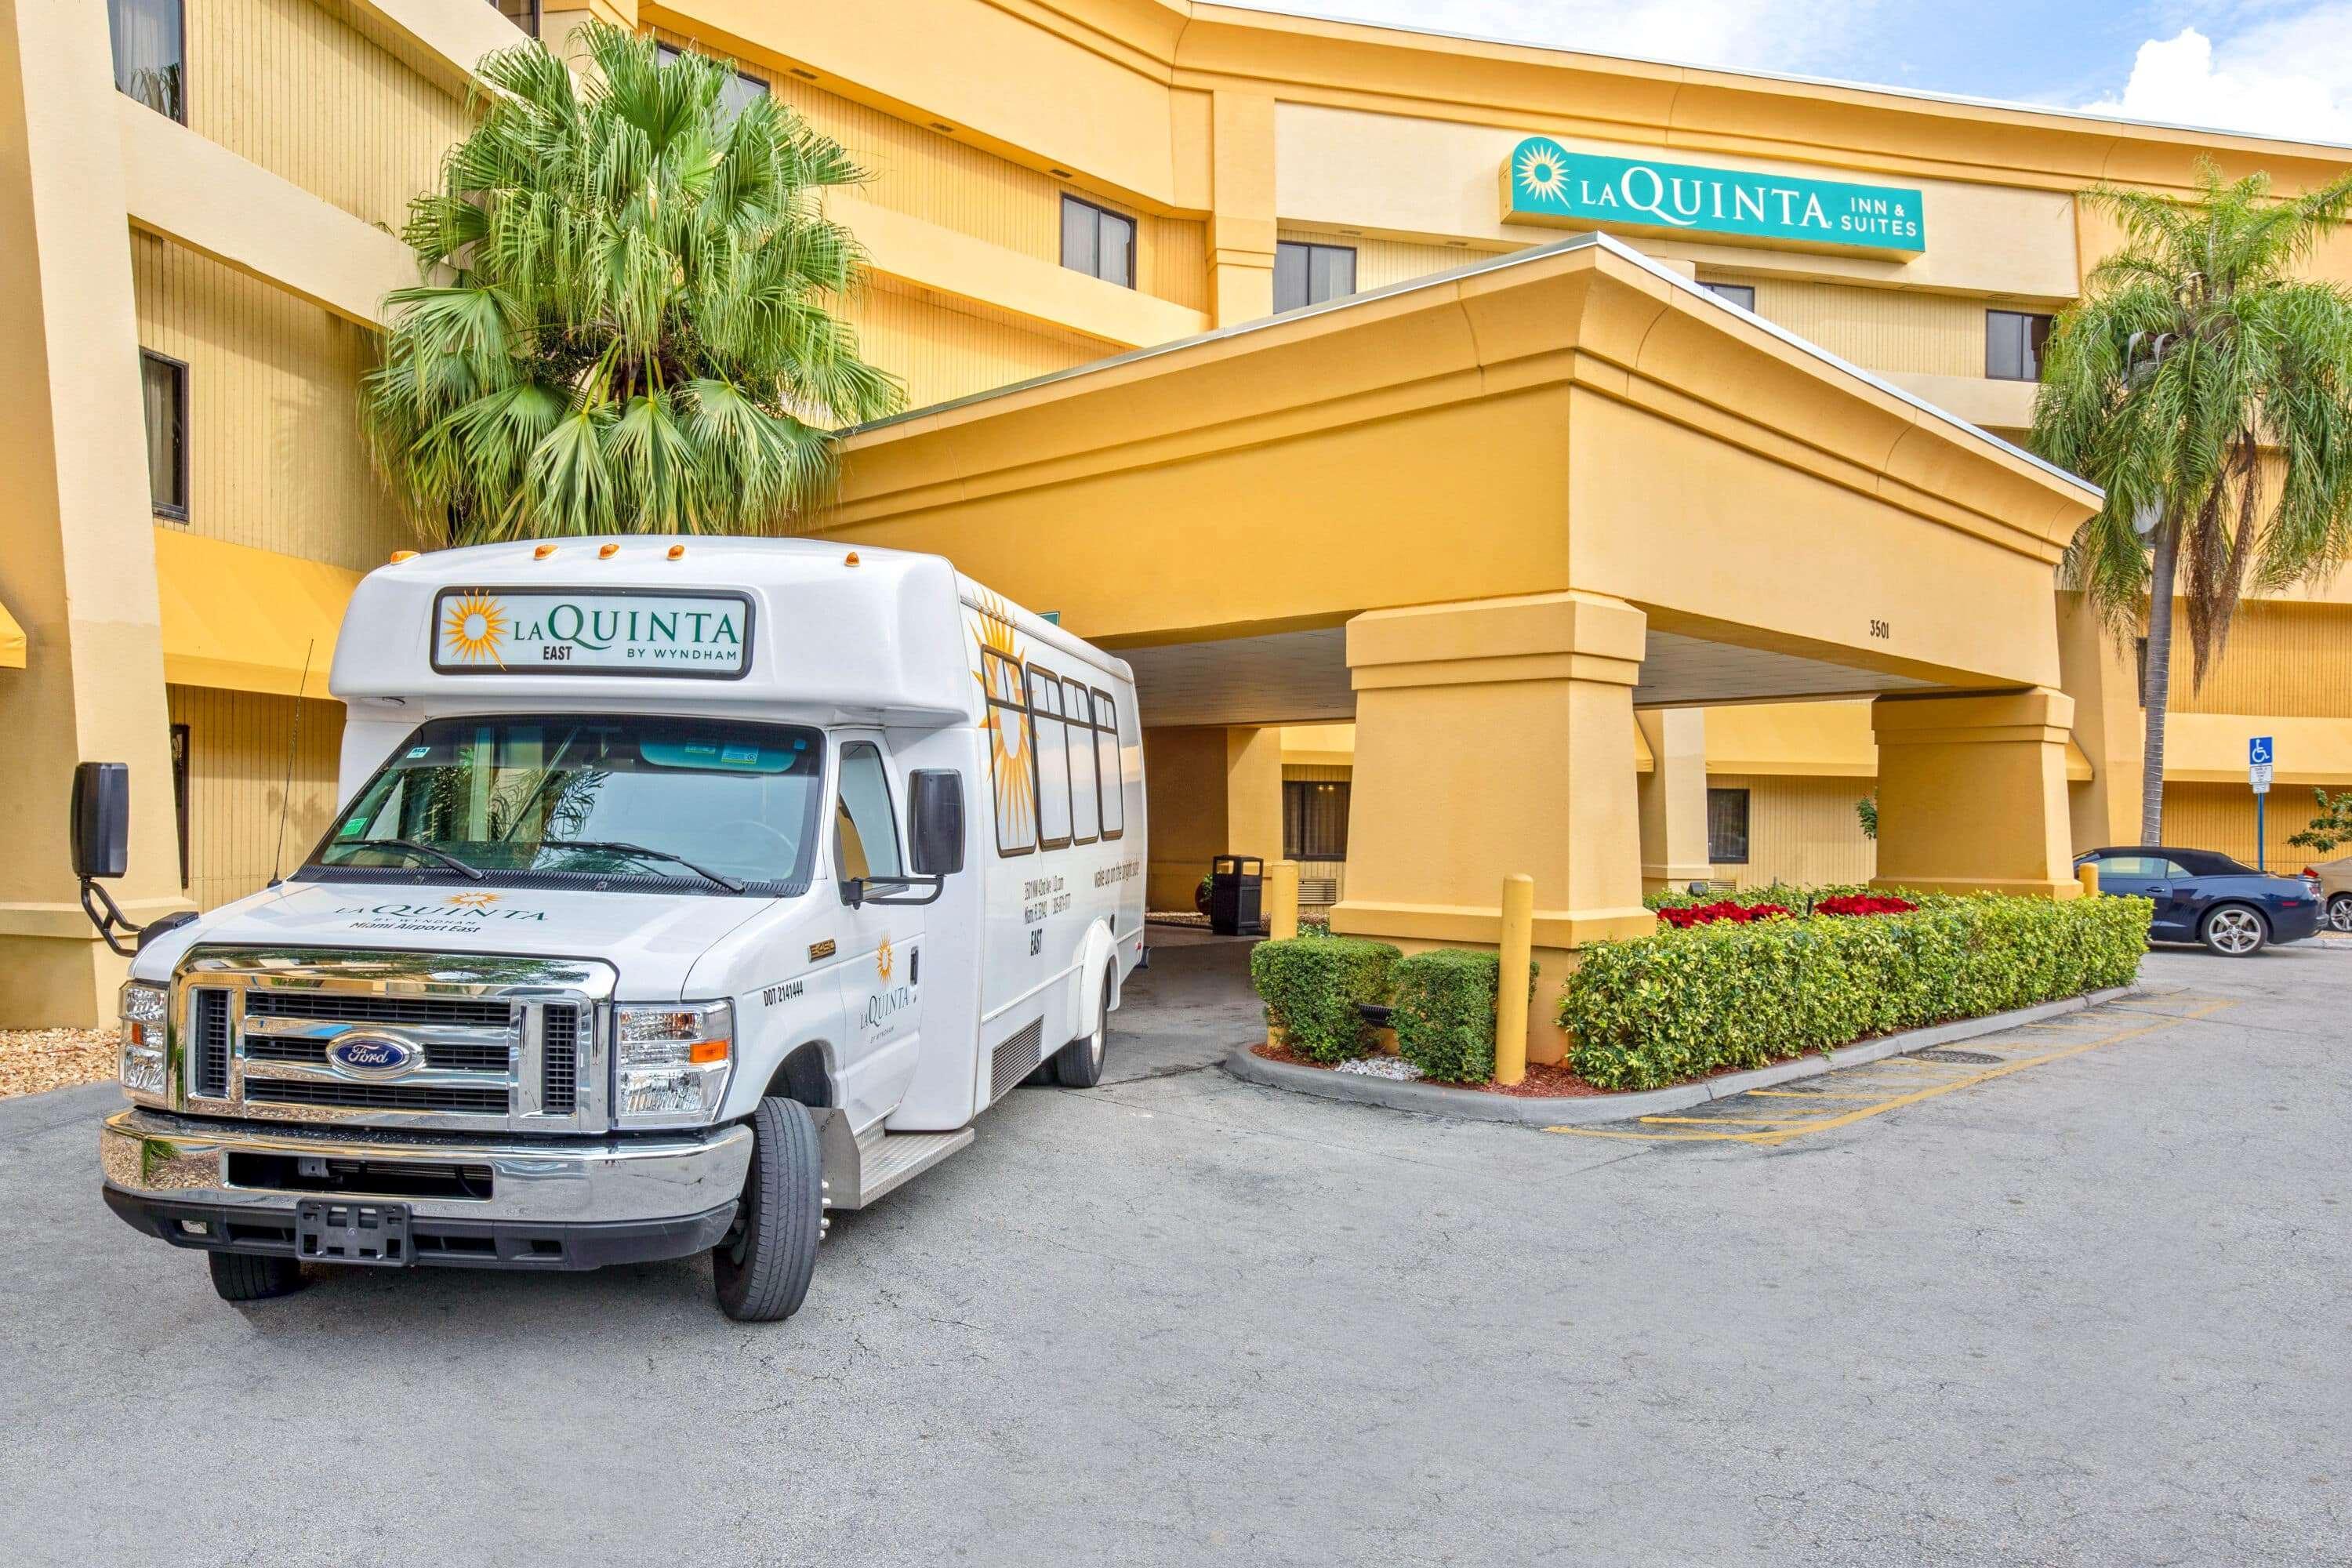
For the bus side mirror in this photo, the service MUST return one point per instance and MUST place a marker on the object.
(102, 819)
(936, 809)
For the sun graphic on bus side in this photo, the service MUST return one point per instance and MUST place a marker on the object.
(474, 627)
(1544, 173)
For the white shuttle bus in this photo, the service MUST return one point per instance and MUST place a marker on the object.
(679, 892)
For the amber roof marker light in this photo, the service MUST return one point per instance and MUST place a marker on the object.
(607, 552)
(542, 553)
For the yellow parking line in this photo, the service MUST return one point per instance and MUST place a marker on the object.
(1729, 1120)
(1815, 1094)
(1782, 1132)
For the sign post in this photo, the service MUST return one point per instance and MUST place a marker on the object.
(2259, 751)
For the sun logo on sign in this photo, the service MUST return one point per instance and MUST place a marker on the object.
(474, 627)
(1543, 172)
(473, 901)
(883, 960)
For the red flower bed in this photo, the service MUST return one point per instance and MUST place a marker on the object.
(1864, 904)
(1707, 914)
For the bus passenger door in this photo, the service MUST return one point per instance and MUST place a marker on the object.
(880, 961)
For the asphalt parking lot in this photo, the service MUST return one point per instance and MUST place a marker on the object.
(2090, 1311)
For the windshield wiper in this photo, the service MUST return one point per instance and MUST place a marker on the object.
(414, 848)
(615, 846)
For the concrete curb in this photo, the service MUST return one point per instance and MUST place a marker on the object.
(1584, 1110)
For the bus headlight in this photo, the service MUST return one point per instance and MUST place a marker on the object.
(671, 1062)
(142, 1038)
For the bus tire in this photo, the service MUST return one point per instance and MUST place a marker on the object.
(1080, 1064)
(244, 1277)
(761, 1270)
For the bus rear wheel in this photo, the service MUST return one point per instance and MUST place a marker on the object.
(1080, 1064)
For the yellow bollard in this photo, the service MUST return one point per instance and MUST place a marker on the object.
(1282, 900)
(2087, 873)
(1511, 980)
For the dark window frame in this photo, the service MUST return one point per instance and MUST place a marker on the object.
(1020, 711)
(1740, 294)
(177, 511)
(1718, 843)
(183, 744)
(1134, 240)
(1307, 281)
(2030, 343)
(1114, 798)
(1073, 688)
(178, 111)
(1295, 819)
(1036, 673)
(889, 800)
(508, 8)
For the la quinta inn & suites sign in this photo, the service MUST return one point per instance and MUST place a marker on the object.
(1545, 182)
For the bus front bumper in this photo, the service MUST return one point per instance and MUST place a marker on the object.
(506, 1202)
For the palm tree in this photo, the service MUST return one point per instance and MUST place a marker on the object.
(636, 332)
(2209, 390)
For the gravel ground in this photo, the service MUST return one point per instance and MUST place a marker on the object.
(32, 1060)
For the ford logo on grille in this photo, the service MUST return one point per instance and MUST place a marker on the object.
(373, 1056)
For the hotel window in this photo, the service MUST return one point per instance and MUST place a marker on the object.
(163, 388)
(1310, 274)
(150, 40)
(1097, 242)
(1314, 820)
(2013, 344)
(1740, 294)
(523, 14)
(739, 94)
(1727, 827)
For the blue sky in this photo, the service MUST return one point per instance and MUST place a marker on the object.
(2276, 66)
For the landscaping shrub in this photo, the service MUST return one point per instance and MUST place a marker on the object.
(1684, 918)
(1311, 985)
(1863, 904)
(1658, 1009)
(1444, 1016)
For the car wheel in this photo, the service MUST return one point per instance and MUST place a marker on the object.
(761, 1270)
(2234, 931)
(1080, 1064)
(2339, 911)
(244, 1277)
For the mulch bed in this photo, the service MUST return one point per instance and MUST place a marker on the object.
(35, 1060)
(1544, 1080)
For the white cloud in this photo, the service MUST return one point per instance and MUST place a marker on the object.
(1745, 34)
(2291, 76)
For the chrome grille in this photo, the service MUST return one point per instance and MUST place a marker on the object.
(209, 1047)
(360, 1007)
(518, 1043)
(375, 1096)
(558, 1060)
(467, 1056)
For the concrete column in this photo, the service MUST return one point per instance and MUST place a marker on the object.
(1673, 798)
(1495, 737)
(1972, 794)
(76, 535)
(1212, 791)
(1241, 218)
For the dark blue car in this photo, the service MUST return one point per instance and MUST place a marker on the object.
(2200, 896)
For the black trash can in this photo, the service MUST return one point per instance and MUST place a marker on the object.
(1236, 888)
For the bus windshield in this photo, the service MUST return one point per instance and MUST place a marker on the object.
(716, 805)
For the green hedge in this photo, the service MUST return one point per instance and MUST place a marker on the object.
(1311, 985)
(1659, 1009)
(1444, 1015)
(1788, 895)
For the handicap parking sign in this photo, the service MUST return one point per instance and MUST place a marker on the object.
(2258, 751)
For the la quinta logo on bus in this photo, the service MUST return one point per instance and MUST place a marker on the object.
(558, 631)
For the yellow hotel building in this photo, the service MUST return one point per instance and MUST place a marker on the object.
(1447, 537)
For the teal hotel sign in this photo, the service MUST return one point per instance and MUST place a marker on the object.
(1545, 182)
